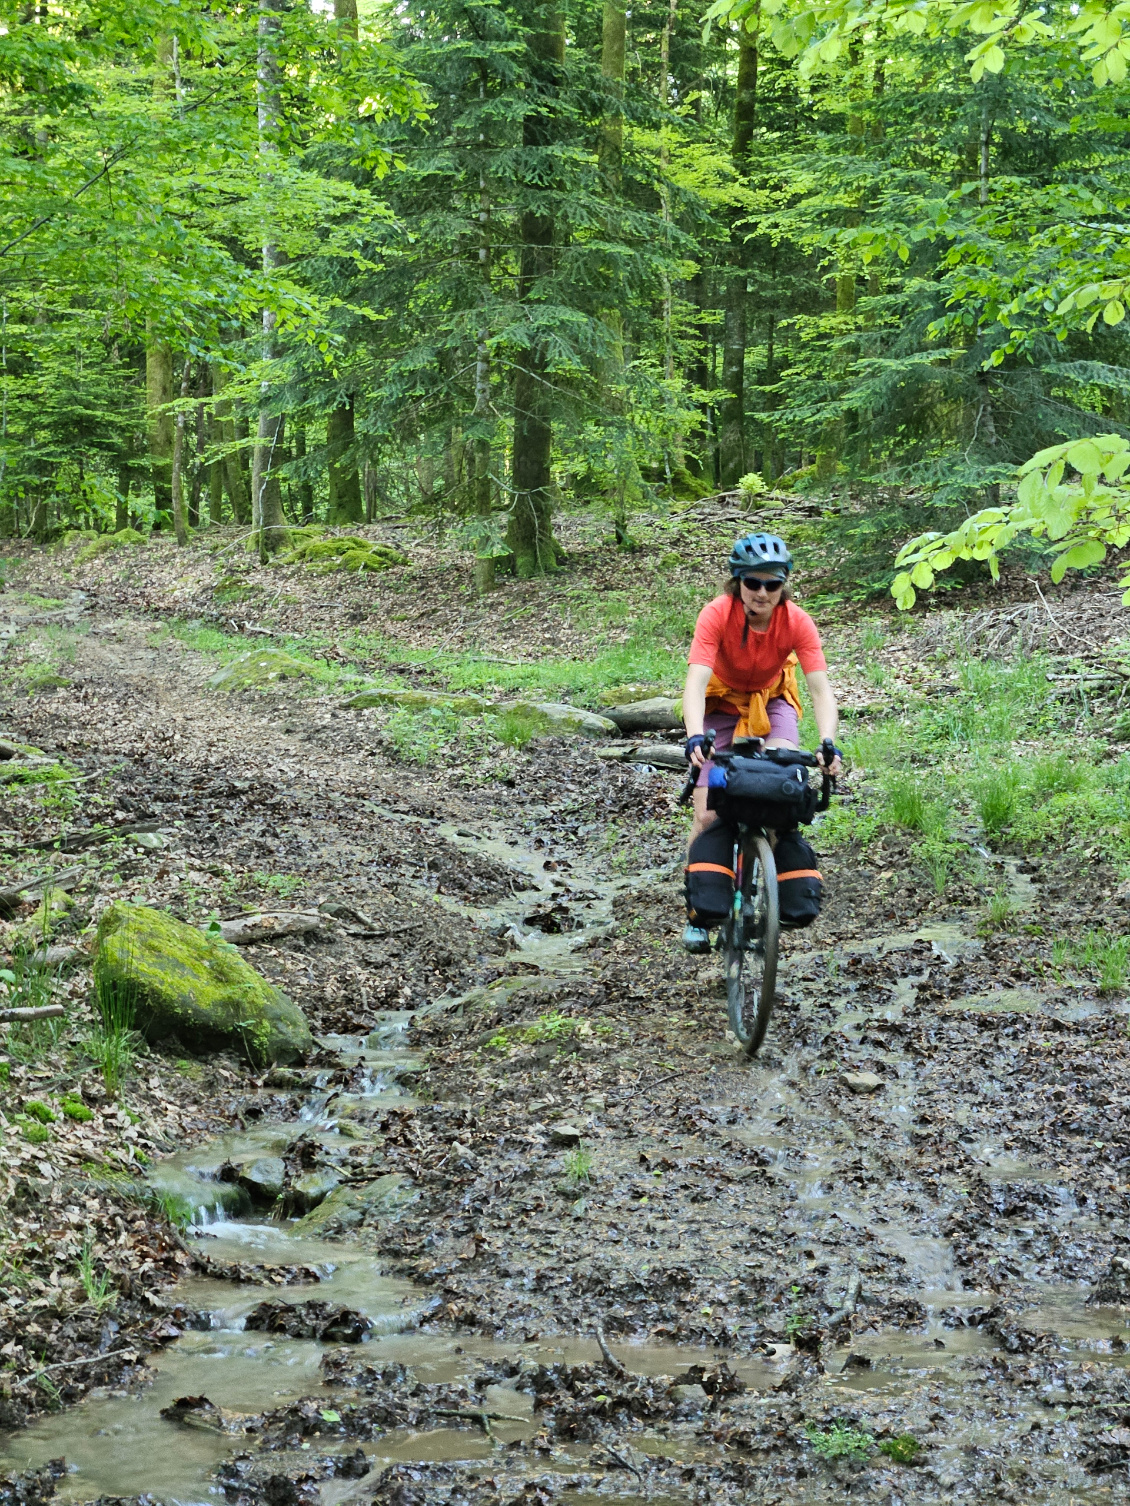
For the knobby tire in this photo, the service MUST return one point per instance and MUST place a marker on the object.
(749, 947)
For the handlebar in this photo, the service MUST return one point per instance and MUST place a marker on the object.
(754, 748)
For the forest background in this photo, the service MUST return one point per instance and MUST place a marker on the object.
(287, 266)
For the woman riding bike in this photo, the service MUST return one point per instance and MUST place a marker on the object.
(741, 676)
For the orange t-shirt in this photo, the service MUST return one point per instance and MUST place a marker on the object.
(756, 663)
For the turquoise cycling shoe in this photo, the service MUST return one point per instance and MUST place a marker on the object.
(696, 940)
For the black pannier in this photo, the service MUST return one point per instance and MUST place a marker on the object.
(800, 889)
(762, 793)
(709, 875)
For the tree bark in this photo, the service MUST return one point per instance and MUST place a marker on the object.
(198, 464)
(304, 489)
(158, 395)
(482, 425)
(346, 503)
(234, 476)
(177, 487)
(121, 507)
(530, 530)
(731, 425)
(267, 517)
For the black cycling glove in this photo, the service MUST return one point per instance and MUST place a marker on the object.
(692, 743)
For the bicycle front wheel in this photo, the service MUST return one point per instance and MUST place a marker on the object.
(749, 946)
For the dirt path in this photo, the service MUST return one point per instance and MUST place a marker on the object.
(885, 1228)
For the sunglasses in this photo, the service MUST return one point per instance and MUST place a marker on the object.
(752, 582)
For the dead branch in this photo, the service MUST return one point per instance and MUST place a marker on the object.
(40, 1012)
(610, 1359)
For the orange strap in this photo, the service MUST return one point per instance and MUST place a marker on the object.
(800, 873)
(709, 868)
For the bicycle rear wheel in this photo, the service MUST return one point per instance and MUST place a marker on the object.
(749, 946)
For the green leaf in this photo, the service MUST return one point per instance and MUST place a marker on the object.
(1079, 557)
(1115, 311)
(1086, 457)
(922, 575)
(903, 592)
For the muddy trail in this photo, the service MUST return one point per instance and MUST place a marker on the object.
(575, 1247)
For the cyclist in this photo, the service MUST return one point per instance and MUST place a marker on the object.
(741, 675)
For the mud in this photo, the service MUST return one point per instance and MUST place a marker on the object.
(538, 1130)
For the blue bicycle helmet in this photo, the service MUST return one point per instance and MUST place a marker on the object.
(761, 551)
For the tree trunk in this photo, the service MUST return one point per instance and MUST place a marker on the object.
(121, 507)
(177, 487)
(481, 423)
(234, 475)
(304, 489)
(158, 395)
(267, 517)
(530, 530)
(731, 424)
(346, 504)
(197, 466)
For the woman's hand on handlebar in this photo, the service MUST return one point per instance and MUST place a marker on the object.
(829, 758)
(696, 751)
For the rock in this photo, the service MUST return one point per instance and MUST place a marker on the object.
(660, 714)
(194, 988)
(342, 552)
(368, 1202)
(148, 841)
(690, 1401)
(565, 720)
(263, 666)
(418, 700)
(565, 1134)
(310, 1320)
(245, 929)
(307, 1191)
(106, 543)
(1113, 1286)
(856, 1361)
(263, 1178)
(861, 1082)
(620, 695)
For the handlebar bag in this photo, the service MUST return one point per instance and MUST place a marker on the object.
(800, 889)
(708, 879)
(761, 793)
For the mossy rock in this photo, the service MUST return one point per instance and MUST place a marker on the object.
(263, 666)
(347, 553)
(346, 1206)
(75, 536)
(418, 700)
(186, 985)
(106, 543)
(565, 720)
(623, 695)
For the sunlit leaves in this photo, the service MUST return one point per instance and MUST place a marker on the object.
(1084, 516)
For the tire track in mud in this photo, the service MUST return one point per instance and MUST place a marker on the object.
(728, 1205)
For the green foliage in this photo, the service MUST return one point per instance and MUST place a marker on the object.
(903, 1448)
(106, 543)
(516, 728)
(34, 1109)
(36, 1134)
(578, 1165)
(346, 553)
(280, 885)
(550, 1027)
(97, 1285)
(74, 1108)
(840, 1441)
(1103, 955)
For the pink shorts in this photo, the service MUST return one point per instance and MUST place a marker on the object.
(783, 723)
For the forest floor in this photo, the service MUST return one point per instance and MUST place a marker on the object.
(860, 1265)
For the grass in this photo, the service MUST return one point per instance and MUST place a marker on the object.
(112, 1043)
(578, 1165)
(280, 885)
(903, 1448)
(840, 1441)
(96, 1285)
(1000, 912)
(914, 809)
(1104, 956)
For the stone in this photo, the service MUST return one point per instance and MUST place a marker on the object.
(620, 695)
(1113, 1286)
(659, 714)
(862, 1082)
(106, 543)
(661, 755)
(150, 841)
(369, 1202)
(565, 1134)
(418, 700)
(565, 720)
(310, 1189)
(184, 985)
(690, 1401)
(263, 1178)
(263, 666)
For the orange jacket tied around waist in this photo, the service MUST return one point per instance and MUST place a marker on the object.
(749, 706)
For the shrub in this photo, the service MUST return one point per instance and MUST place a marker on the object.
(840, 1441)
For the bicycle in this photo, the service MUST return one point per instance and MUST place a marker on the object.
(749, 936)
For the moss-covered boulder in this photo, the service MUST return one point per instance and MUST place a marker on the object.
(561, 719)
(371, 1203)
(184, 984)
(418, 700)
(344, 553)
(263, 666)
(106, 543)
